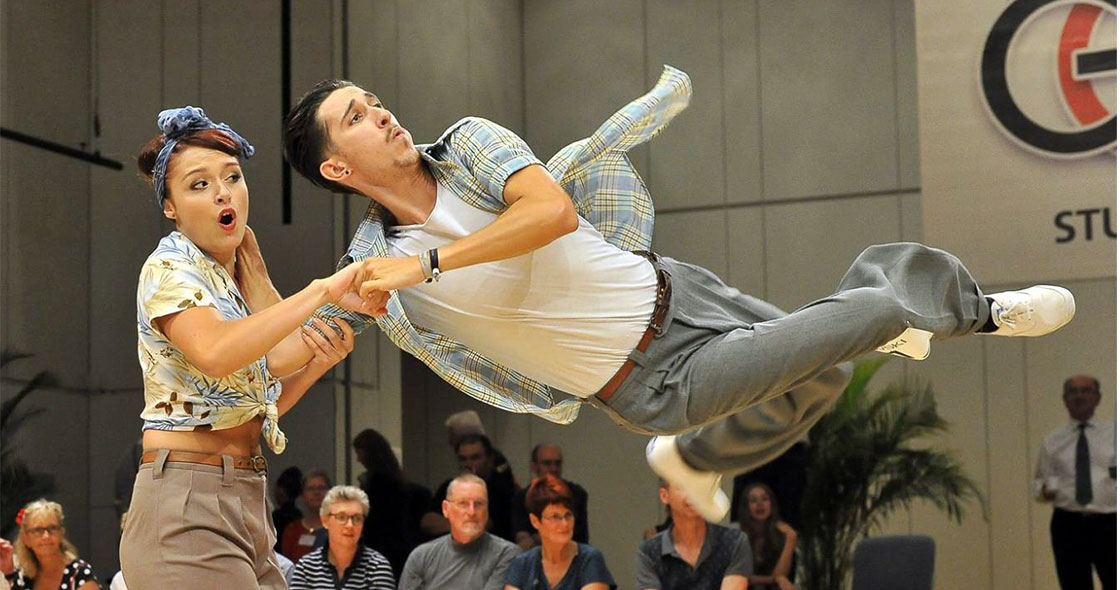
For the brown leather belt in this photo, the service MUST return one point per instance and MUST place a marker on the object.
(660, 309)
(255, 462)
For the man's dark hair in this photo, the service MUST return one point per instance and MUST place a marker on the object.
(306, 139)
(468, 439)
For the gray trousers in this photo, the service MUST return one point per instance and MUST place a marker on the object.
(743, 380)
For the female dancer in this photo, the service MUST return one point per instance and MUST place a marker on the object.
(223, 357)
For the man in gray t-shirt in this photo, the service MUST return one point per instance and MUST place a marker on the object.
(468, 557)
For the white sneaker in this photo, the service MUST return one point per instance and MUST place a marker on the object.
(1034, 311)
(912, 343)
(701, 488)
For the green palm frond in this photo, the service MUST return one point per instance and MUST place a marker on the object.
(866, 464)
(19, 484)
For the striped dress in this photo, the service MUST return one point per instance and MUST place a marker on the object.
(369, 571)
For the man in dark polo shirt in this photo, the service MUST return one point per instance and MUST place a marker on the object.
(692, 554)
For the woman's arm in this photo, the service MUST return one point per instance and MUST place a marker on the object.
(90, 585)
(329, 351)
(785, 561)
(218, 346)
(591, 586)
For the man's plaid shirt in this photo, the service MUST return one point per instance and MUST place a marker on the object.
(474, 158)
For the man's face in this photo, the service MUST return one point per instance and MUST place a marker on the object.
(679, 507)
(1081, 397)
(550, 460)
(473, 458)
(466, 509)
(365, 139)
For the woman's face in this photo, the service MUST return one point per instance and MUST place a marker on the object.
(314, 492)
(43, 535)
(556, 524)
(344, 523)
(208, 199)
(758, 502)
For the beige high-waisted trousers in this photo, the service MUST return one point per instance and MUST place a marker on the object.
(199, 526)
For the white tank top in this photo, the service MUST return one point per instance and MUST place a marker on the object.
(567, 314)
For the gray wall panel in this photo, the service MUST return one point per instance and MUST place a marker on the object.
(706, 242)
(181, 53)
(828, 100)
(809, 246)
(129, 97)
(906, 88)
(584, 59)
(686, 162)
(496, 81)
(746, 251)
(434, 76)
(742, 124)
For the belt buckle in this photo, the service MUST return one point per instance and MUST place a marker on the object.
(258, 463)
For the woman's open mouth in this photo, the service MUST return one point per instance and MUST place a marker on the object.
(227, 218)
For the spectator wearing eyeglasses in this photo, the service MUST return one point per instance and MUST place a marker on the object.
(46, 559)
(547, 459)
(468, 557)
(298, 538)
(344, 563)
(559, 563)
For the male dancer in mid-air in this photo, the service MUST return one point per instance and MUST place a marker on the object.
(528, 287)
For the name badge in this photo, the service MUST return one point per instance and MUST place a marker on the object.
(307, 540)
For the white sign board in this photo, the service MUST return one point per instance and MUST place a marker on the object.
(1017, 120)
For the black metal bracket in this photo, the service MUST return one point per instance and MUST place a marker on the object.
(58, 148)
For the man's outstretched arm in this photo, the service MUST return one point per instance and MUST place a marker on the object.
(539, 212)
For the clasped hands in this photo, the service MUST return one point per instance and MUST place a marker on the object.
(364, 286)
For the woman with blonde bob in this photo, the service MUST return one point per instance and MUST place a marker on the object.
(222, 357)
(47, 560)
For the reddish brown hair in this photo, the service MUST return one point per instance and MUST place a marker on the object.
(545, 491)
(214, 139)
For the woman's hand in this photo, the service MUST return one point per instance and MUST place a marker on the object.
(784, 583)
(342, 287)
(251, 274)
(329, 347)
(7, 563)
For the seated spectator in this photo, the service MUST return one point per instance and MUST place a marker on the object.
(298, 538)
(289, 486)
(461, 424)
(46, 559)
(786, 477)
(772, 540)
(476, 455)
(468, 557)
(692, 554)
(547, 459)
(344, 563)
(559, 563)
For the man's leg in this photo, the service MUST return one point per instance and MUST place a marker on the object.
(1104, 549)
(1072, 556)
(760, 433)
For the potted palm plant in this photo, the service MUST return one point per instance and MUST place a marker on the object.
(19, 484)
(865, 463)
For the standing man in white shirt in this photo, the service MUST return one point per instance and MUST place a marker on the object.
(1077, 472)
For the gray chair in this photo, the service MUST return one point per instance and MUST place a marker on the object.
(893, 562)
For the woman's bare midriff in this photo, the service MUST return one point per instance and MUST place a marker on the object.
(241, 441)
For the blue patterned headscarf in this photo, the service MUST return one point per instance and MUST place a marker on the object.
(177, 124)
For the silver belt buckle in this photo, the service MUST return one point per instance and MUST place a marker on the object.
(259, 464)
